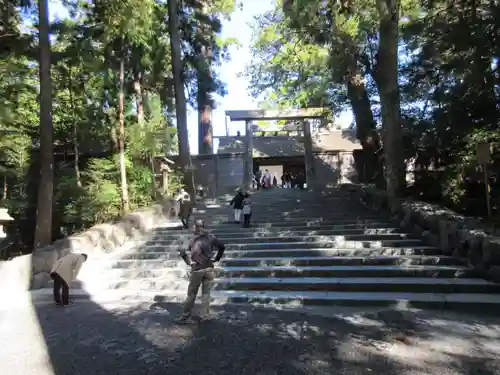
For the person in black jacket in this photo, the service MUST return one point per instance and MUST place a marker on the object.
(237, 203)
(202, 274)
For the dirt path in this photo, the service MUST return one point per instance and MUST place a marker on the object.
(92, 339)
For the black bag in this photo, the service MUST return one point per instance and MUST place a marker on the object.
(201, 249)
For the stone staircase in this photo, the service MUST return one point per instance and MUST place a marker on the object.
(302, 249)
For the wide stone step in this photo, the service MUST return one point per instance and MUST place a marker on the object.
(282, 198)
(167, 245)
(470, 302)
(276, 224)
(263, 234)
(290, 238)
(324, 215)
(155, 259)
(347, 271)
(289, 205)
(226, 222)
(145, 284)
(358, 284)
(411, 260)
(306, 271)
(453, 301)
(266, 227)
(301, 284)
(303, 249)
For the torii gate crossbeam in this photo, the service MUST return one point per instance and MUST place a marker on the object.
(302, 114)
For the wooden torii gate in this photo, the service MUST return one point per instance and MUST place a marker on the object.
(301, 114)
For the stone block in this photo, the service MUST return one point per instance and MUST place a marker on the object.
(443, 236)
(73, 244)
(419, 219)
(453, 233)
(121, 232)
(494, 274)
(453, 238)
(433, 222)
(43, 259)
(99, 233)
(141, 221)
(491, 251)
(40, 280)
(471, 240)
(15, 274)
(430, 238)
(103, 237)
(426, 234)
(474, 257)
(417, 230)
(407, 223)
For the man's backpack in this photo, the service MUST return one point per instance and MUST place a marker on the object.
(201, 249)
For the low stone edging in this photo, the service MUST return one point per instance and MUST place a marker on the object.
(32, 271)
(460, 236)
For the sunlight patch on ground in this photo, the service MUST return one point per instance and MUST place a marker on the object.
(21, 333)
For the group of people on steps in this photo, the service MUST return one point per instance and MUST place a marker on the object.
(265, 180)
(242, 205)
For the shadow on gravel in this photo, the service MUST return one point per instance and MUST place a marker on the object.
(143, 339)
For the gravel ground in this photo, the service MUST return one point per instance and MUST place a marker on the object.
(142, 339)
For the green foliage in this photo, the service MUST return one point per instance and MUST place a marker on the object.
(86, 51)
(304, 53)
(97, 201)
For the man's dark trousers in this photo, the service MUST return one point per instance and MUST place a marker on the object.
(59, 284)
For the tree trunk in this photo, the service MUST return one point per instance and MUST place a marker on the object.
(43, 230)
(121, 139)
(5, 188)
(106, 118)
(205, 102)
(167, 94)
(153, 181)
(180, 99)
(205, 129)
(75, 130)
(387, 82)
(366, 130)
(147, 105)
(309, 155)
(138, 98)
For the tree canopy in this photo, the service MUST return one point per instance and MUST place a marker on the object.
(89, 100)
(110, 107)
(339, 53)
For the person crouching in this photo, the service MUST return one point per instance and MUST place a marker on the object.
(64, 271)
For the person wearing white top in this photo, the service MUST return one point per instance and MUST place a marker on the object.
(185, 207)
(267, 179)
(64, 271)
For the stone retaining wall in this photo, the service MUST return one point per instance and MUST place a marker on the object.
(466, 238)
(32, 271)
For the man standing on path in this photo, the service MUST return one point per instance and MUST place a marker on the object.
(64, 271)
(202, 274)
